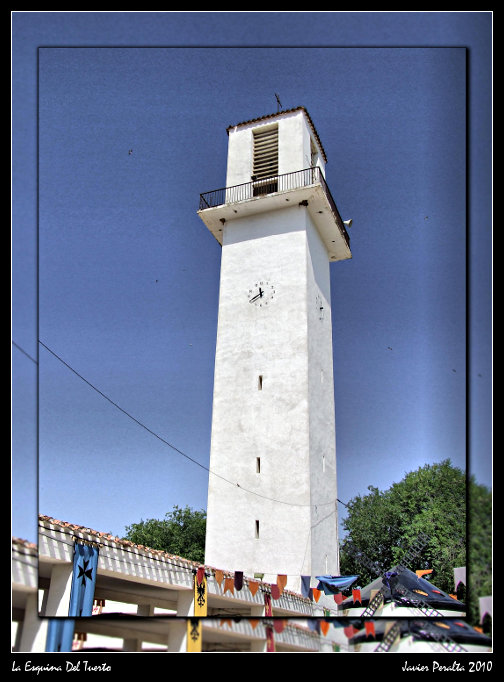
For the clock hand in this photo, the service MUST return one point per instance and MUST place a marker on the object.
(254, 298)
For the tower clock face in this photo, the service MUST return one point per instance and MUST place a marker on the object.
(261, 293)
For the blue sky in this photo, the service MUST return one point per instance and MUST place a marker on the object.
(118, 277)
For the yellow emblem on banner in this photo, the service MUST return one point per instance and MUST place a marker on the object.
(194, 635)
(200, 594)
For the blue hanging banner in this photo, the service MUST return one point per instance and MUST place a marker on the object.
(331, 584)
(60, 632)
(85, 565)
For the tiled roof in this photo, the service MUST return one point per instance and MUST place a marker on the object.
(109, 538)
(280, 113)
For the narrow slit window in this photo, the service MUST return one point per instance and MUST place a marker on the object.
(260, 382)
(258, 465)
(257, 528)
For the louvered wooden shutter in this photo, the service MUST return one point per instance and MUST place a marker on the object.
(266, 153)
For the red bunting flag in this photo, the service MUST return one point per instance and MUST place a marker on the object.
(200, 574)
(356, 595)
(275, 592)
(279, 625)
(339, 598)
(268, 611)
(349, 631)
(370, 628)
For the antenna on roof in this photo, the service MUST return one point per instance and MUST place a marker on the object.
(278, 102)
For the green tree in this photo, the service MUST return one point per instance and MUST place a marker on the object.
(480, 547)
(181, 532)
(384, 526)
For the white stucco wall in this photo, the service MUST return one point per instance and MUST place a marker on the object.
(288, 348)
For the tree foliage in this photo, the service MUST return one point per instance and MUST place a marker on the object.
(480, 546)
(385, 525)
(181, 532)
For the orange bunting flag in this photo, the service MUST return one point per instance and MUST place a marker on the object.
(229, 585)
(370, 628)
(316, 594)
(253, 587)
(219, 576)
(254, 622)
(420, 573)
(324, 626)
(226, 621)
(281, 582)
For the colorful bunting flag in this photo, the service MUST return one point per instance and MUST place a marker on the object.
(334, 583)
(229, 585)
(281, 582)
(253, 586)
(200, 594)
(324, 626)
(421, 572)
(356, 596)
(316, 594)
(339, 598)
(219, 576)
(349, 631)
(254, 622)
(306, 590)
(279, 625)
(238, 580)
(370, 628)
(268, 611)
(275, 592)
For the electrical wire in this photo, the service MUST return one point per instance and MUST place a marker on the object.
(170, 445)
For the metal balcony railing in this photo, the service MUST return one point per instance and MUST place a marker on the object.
(277, 183)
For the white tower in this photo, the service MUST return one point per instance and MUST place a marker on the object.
(272, 506)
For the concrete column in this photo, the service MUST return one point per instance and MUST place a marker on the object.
(177, 636)
(132, 644)
(185, 603)
(58, 598)
(34, 629)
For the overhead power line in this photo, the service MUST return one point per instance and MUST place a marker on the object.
(170, 445)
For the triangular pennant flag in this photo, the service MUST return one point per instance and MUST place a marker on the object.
(275, 592)
(200, 574)
(420, 572)
(253, 586)
(219, 576)
(279, 625)
(316, 594)
(370, 628)
(324, 626)
(349, 631)
(226, 621)
(356, 596)
(281, 582)
(238, 580)
(229, 585)
(254, 622)
(339, 598)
